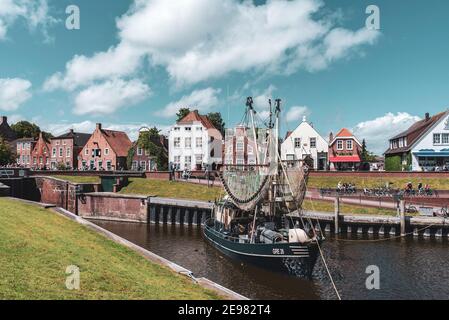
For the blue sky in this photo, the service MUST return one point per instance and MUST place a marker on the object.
(135, 64)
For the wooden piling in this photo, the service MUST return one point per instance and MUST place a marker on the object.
(337, 215)
(402, 217)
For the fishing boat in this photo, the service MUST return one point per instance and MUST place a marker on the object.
(259, 220)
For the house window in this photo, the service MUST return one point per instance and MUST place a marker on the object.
(41, 160)
(60, 152)
(313, 142)
(86, 152)
(199, 159)
(68, 152)
(199, 142)
(290, 157)
(348, 144)
(143, 165)
(92, 164)
(109, 165)
(54, 152)
(177, 142)
(188, 142)
(177, 159)
(177, 128)
(240, 162)
(57, 143)
(436, 138)
(134, 165)
(445, 138)
(34, 160)
(199, 128)
(240, 146)
(187, 162)
(339, 144)
(64, 142)
(106, 151)
(297, 142)
(188, 128)
(139, 151)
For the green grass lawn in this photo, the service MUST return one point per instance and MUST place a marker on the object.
(37, 245)
(325, 206)
(79, 179)
(361, 182)
(172, 189)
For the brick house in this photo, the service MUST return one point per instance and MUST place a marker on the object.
(143, 160)
(344, 151)
(239, 149)
(66, 148)
(41, 154)
(24, 149)
(105, 150)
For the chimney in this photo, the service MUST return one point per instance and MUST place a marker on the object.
(427, 116)
(331, 137)
(3, 119)
(98, 126)
(71, 131)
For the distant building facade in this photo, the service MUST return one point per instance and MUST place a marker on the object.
(65, 149)
(105, 150)
(305, 142)
(143, 160)
(24, 149)
(195, 143)
(422, 147)
(239, 148)
(41, 153)
(344, 151)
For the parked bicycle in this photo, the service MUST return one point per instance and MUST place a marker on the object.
(442, 213)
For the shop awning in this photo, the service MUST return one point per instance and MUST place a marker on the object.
(345, 159)
(429, 153)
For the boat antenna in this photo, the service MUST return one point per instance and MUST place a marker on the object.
(270, 125)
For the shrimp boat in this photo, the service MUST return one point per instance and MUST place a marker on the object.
(259, 220)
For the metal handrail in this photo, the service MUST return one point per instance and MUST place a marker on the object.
(220, 235)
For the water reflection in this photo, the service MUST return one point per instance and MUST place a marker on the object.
(410, 269)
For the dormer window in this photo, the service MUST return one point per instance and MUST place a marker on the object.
(339, 144)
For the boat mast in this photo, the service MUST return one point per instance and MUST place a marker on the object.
(249, 104)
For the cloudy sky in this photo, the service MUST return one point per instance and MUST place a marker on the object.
(135, 62)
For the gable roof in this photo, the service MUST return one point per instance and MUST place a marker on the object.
(194, 116)
(5, 130)
(288, 134)
(119, 141)
(345, 134)
(415, 132)
(79, 139)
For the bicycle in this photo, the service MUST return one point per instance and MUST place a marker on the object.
(443, 213)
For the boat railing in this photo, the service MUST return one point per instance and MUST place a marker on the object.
(225, 237)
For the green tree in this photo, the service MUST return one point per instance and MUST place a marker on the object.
(25, 129)
(150, 141)
(217, 121)
(6, 155)
(182, 113)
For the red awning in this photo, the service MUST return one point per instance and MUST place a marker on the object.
(345, 159)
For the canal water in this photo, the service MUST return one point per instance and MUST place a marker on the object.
(409, 269)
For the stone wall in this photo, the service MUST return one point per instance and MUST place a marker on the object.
(111, 206)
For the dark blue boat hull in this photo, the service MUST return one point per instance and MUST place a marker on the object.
(291, 258)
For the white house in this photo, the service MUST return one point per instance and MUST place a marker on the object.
(424, 146)
(305, 141)
(194, 142)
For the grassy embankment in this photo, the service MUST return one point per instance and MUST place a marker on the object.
(37, 245)
(182, 190)
(361, 182)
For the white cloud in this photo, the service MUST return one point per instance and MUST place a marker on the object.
(34, 12)
(198, 40)
(296, 113)
(201, 100)
(13, 93)
(377, 132)
(108, 97)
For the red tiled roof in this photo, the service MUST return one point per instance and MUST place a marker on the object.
(195, 116)
(344, 133)
(119, 142)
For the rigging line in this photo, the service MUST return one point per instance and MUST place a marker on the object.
(317, 241)
(310, 221)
